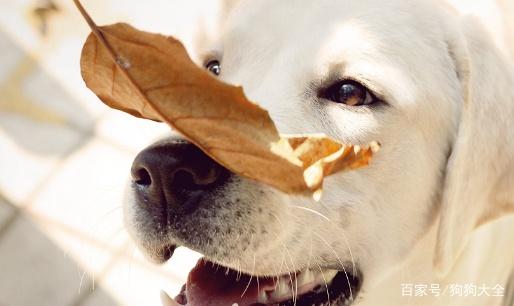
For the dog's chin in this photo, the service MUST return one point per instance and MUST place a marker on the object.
(210, 283)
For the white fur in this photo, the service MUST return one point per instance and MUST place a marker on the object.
(447, 163)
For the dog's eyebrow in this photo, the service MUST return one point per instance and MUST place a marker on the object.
(209, 55)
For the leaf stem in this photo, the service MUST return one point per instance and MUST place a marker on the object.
(98, 33)
(86, 16)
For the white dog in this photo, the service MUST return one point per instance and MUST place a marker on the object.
(427, 83)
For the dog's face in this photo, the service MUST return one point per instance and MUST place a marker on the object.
(355, 70)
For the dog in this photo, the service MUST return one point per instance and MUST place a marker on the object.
(432, 211)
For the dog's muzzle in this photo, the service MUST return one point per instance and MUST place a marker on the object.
(174, 183)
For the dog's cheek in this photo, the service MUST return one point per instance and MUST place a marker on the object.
(136, 221)
(255, 223)
(129, 212)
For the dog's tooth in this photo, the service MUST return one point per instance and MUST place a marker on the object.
(285, 282)
(306, 277)
(167, 301)
(329, 275)
(263, 297)
(285, 286)
(283, 289)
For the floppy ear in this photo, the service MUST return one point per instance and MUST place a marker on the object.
(210, 27)
(479, 183)
(228, 5)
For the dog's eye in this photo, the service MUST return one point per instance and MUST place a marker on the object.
(350, 93)
(214, 67)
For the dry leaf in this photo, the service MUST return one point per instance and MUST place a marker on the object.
(151, 76)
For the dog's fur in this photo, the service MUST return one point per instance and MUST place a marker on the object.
(446, 166)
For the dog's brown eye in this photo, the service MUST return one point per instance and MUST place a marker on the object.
(214, 67)
(350, 93)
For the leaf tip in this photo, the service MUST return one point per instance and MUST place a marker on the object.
(316, 195)
(313, 176)
(375, 146)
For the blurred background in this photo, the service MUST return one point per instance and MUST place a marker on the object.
(65, 160)
(65, 157)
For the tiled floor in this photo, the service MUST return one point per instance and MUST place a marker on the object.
(6, 213)
(65, 160)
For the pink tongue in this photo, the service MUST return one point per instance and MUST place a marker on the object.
(209, 284)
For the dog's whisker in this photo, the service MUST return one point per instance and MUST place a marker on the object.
(340, 263)
(112, 210)
(325, 282)
(310, 250)
(106, 214)
(82, 276)
(291, 275)
(93, 285)
(282, 262)
(354, 266)
(238, 269)
(94, 228)
(258, 285)
(251, 275)
(283, 247)
(317, 213)
(294, 288)
(247, 286)
(273, 263)
(295, 294)
(275, 272)
(290, 278)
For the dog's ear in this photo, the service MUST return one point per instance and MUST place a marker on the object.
(479, 183)
(210, 27)
(228, 5)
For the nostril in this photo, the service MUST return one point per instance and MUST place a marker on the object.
(188, 179)
(184, 180)
(142, 177)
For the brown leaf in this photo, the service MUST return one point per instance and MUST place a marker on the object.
(151, 76)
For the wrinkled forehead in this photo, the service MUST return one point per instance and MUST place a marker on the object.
(324, 37)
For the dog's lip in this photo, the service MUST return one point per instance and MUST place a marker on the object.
(167, 251)
(219, 286)
(161, 254)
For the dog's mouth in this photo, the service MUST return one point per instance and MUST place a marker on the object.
(210, 284)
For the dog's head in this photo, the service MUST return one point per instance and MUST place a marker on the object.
(426, 84)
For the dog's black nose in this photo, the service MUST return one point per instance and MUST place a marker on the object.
(175, 175)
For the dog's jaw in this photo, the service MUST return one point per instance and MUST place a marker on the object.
(252, 229)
